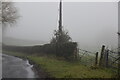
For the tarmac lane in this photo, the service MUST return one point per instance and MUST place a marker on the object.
(13, 67)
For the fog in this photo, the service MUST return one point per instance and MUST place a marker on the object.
(91, 24)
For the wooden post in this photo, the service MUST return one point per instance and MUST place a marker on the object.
(101, 56)
(107, 54)
(96, 59)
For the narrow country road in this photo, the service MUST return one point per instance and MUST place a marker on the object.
(13, 67)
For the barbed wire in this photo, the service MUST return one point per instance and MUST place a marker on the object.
(115, 49)
(115, 60)
(87, 51)
(114, 52)
(84, 55)
(112, 57)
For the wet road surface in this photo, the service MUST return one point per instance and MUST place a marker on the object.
(13, 67)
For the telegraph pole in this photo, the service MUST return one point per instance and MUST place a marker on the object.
(60, 23)
(60, 16)
(59, 28)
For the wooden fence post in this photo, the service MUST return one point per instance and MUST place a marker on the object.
(96, 59)
(101, 56)
(107, 54)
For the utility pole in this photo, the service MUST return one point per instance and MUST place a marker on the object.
(60, 23)
(59, 38)
(60, 16)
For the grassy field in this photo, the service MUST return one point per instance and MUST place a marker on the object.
(64, 69)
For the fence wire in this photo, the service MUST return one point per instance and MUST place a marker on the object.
(113, 59)
(86, 57)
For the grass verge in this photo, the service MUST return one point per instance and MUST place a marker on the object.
(64, 69)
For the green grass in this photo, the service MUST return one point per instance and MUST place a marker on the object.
(61, 69)
(64, 69)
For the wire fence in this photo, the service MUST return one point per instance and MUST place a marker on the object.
(110, 58)
(113, 59)
(86, 57)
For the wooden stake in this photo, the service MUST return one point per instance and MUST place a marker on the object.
(101, 56)
(96, 59)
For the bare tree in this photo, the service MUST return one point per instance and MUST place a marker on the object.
(8, 13)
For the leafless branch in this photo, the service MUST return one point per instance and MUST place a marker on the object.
(8, 13)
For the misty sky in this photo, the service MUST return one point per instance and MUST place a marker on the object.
(91, 24)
